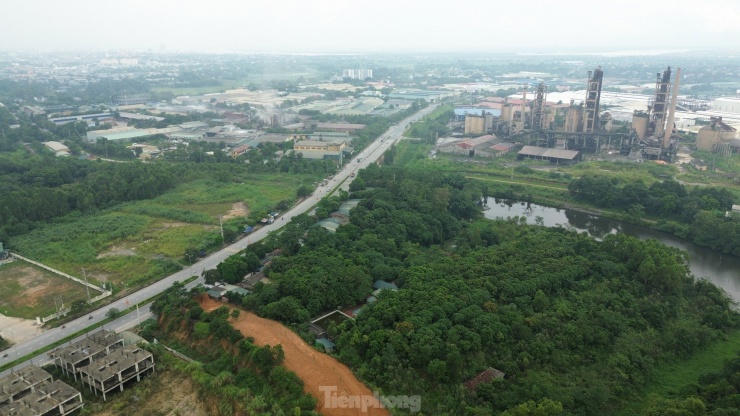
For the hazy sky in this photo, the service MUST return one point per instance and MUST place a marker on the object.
(346, 26)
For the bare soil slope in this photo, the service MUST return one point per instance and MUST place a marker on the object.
(168, 394)
(314, 368)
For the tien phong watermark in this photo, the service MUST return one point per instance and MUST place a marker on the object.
(364, 402)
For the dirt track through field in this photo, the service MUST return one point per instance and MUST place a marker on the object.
(314, 368)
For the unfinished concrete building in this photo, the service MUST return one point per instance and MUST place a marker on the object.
(32, 391)
(82, 353)
(120, 366)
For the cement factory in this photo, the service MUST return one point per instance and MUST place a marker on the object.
(588, 130)
(584, 128)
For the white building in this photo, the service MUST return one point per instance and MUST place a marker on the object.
(58, 148)
(357, 73)
(726, 105)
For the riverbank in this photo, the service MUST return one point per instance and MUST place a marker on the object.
(721, 270)
(557, 196)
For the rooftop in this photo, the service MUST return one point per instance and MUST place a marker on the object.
(382, 284)
(545, 152)
(340, 126)
(44, 400)
(20, 380)
(483, 377)
(477, 141)
(115, 362)
(135, 116)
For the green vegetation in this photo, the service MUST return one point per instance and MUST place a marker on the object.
(715, 393)
(698, 215)
(433, 125)
(578, 326)
(641, 193)
(137, 242)
(237, 374)
(672, 379)
(406, 152)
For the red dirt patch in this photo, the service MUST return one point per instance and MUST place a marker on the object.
(314, 368)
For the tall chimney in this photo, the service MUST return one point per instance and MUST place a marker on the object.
(672, 110)
(524, 105)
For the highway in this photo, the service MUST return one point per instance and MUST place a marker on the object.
(343, 178)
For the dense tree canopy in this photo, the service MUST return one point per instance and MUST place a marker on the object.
(698, 214)
(576, 324)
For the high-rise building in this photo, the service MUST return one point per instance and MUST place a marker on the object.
(362, 73)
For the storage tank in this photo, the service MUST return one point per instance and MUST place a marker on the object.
(640, 123)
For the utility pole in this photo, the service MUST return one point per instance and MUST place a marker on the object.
(221, 224)
(87, 288)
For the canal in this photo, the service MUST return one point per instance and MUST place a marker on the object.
(722, 270)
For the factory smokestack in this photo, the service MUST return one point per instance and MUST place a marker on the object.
(672, 110)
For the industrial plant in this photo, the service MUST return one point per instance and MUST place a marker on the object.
(585, 129)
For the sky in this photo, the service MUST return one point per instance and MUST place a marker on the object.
(369, 26)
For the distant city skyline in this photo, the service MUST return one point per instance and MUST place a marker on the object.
(332, 26)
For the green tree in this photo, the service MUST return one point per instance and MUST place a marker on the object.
(113, 313)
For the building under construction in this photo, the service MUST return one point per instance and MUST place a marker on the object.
(81, 353)
(32, 391)
(113, 371)
(102, 361)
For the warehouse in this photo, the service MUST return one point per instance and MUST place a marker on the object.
(553, 155)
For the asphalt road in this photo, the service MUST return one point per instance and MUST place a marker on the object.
(369, 155)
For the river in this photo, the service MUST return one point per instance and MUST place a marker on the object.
(722, 270)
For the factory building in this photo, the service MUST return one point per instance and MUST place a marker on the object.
(340, 127)
(726, 105)
(100, 117)
(321, 149)
(478, 124)
(553, 155)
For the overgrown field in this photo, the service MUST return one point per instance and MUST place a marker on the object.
(670, 380)
(28, 291)
(408, 151)
(138, 242)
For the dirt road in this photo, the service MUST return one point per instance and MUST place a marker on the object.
(323, 376)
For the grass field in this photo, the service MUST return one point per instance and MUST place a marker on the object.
(671, 377)
(139, 242)
(410, 150)
(28, 291)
